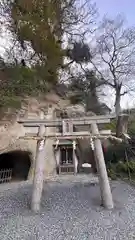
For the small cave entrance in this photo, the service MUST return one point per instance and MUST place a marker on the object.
(19, 162)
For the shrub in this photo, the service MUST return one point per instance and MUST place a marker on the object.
(112, 174)
(114, 153)
(125, 167)
(122, 168)
(131, 166)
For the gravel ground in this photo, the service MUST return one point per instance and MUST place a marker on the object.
(70, 210)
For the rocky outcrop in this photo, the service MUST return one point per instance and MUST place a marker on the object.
(9, 136)
(74, 111)
(11, 131)
(51, 104)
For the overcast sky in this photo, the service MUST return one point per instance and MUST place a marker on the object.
(114, 7)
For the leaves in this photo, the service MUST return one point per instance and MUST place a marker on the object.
(38, 29)
(33, 22)
(80, 53)
(85, 90)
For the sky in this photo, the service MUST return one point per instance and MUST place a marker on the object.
(114, 7)
(126, 8)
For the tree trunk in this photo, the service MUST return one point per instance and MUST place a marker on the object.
(117, 101)
(122, 125)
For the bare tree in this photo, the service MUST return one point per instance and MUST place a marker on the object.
(114, 57)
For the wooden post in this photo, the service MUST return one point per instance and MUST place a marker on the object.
(106, 194)
(57, 157)
(74, 158)
(122, 125)
(39, 170)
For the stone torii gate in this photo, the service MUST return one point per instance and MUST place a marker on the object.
(68, 133)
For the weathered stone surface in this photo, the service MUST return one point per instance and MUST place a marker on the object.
(9, 135)
(10, 130)
(74, 111)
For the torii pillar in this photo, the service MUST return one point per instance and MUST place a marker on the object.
(105, 189)
(39, 169)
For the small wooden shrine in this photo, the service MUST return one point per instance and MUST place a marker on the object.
(65, 155)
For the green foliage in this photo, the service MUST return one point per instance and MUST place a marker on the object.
(131, 127)
(21, 81)
(84, 90)
(121, 169)
(80, 53)
(114, 153)
(111, 126)
(111, 173)
(131, 166)
(36, 22)
(121, 166)
(38, 28)
(9, 101)
(131, 122)
(76, 99)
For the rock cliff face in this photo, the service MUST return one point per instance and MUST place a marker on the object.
(10, 130)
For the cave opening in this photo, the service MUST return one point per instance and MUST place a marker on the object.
(18, 162)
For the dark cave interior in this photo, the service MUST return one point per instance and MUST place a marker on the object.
(19, 161)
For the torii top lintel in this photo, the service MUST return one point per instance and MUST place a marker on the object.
(59, 122)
